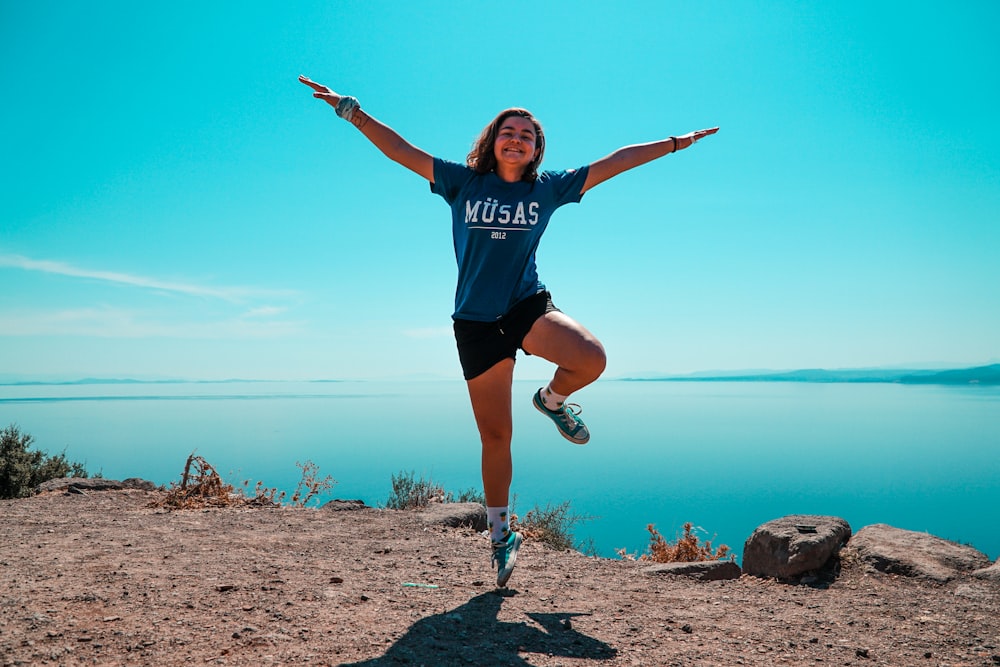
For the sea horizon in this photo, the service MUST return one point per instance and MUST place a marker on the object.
(889, 373)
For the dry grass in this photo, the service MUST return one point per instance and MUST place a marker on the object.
(311, 485)
(201, 486)
(687, 549)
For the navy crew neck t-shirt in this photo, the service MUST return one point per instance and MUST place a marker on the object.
(496, 228)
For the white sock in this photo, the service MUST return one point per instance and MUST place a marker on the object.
(496, 519)
(551, 399)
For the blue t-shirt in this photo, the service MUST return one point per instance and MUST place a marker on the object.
(496, 227)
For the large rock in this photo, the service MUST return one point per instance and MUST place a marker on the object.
(454, 515)
(794, 545)
(705, 570)
(992, 572)
(139, 484)
(341, 505)
(94, 484)
(912, 554)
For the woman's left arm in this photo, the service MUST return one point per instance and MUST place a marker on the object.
(628, 157)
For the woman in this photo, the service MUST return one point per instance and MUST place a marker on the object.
(501, 205)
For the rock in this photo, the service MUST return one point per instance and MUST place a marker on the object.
(139, 484)
(706, 570)
(454, 515)
(913, 554)
(64, 483)
(992, 572)
(793, 545)
(338, 505)
(93, 484)
(974, 591)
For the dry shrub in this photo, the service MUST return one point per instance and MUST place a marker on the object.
(310, 485)
(687, 549)
(201, 486)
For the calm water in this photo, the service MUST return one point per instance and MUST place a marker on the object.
(725, 456)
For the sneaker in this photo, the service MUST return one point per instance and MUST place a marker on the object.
(567, 419)
(505, 555)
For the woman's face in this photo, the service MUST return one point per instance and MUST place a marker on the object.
(515, 144)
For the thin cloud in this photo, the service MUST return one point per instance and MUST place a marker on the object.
(109, 322)
(231, 294)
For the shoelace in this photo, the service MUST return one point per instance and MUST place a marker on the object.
(568, 412)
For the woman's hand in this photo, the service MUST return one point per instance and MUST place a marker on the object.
(384, 137)
(629, 157)
(321, 92)
(687, 140)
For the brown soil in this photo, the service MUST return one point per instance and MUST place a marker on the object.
(103, 578)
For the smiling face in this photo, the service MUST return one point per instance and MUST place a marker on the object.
(512, 145)
(515, 146)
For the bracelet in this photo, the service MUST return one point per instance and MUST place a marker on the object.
(346, 107)
(675, 144)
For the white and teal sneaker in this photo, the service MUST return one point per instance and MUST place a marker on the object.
(566, 418)
(505, 555)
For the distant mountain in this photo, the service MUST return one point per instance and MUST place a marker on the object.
(978, 375)
(981, 375)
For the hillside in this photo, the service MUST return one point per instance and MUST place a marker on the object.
(978, 375)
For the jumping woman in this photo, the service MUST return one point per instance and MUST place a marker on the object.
(500, 207)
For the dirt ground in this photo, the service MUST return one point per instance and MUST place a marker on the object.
(103, 578)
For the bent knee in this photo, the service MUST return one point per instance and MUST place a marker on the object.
(596, 359)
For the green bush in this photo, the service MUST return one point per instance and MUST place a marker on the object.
(553, 525)
(470, 495)
(408, 492)
(22, 470)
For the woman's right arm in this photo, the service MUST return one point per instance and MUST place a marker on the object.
(384, 137)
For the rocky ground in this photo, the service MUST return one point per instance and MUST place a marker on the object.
(105, 578)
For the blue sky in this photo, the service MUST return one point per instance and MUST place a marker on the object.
(174, 204)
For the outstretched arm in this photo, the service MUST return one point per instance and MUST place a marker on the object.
(628, 157)
(384, 137)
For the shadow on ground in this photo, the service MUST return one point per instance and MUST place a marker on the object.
(471, 634)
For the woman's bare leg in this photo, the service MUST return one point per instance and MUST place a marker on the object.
(490, 395)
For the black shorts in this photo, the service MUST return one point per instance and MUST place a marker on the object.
(482, 344)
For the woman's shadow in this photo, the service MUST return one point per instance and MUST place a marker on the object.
(471, 634)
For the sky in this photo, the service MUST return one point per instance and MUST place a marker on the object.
(175, 205)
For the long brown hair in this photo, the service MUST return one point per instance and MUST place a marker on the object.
(481, 157)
